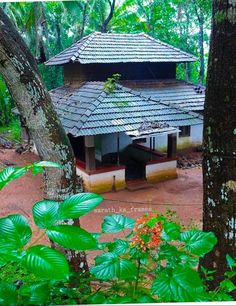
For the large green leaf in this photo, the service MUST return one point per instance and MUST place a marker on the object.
(16, 230)
(78, 205)
(171, 231)
(9, 174)
(145, 299)
(227, 285)
(109, 266)
(179, 285)
(198, 242)
(169, 252)
(115, 223)
(72, 237)
(7, 252)
(230, 261)
(45, 213)
(36, 294)
(97, 298)
(46, 263)
(47, 164)
(40, 166)
(116, 299)
(119, 246)
(8, 294)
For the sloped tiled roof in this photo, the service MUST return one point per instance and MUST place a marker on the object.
(176, 92)
(90, 110)
(120, 48)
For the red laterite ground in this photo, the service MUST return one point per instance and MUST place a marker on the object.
(183, 195)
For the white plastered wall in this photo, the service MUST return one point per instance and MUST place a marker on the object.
(109, 142)
(193, 140)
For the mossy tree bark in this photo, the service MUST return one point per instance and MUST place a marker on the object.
(219, 157)
(19, 70)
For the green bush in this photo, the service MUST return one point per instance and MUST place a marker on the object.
(156, 261)
(6, 105)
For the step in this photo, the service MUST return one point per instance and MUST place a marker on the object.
(133, 185)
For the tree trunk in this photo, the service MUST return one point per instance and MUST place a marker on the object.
(84, 19)
(104, 26)
(219, 156)
(200, 17)
(201, 47)
(40, 21)
(19, 70)
(58, 39)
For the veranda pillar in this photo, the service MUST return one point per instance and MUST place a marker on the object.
(172, 145)
(89, 153)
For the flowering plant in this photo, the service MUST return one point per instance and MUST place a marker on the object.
(156, 261)
(146, 237)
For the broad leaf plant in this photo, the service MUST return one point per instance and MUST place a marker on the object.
(155, 261)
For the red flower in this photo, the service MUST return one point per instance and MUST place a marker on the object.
(146, 237)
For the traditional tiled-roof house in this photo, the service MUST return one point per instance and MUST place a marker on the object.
(115, 135)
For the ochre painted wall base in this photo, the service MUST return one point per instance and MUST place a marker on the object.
(104, 186)
(162, 175)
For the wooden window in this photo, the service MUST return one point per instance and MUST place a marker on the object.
(184, 131)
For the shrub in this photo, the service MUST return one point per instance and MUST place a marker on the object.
(156, 261)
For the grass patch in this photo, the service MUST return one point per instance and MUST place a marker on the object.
(12, 132)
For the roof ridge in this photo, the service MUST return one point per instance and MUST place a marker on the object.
(83, 50)
(168, 45)
(90, 37)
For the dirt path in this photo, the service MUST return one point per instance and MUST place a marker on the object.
(183, 195)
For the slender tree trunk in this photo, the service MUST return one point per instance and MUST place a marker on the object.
(84, 19)
(104, 26)
(201, 47)
(19, 70)
(200, 17)
(39, 25)
(58, 31)
(219, 155)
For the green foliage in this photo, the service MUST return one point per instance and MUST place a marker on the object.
(45, 213)
(43, 262)
(109, 266)
(165, 272)
(8, 295)
(70, 209)
(11, 173)
(198, 243)
(12, 131)
(116, 223)
(230, 261)
(155, 261)
(71, 237)
(171, 231)
(111, 84)
(36, 294)
(179, 284)
(15, 230)
(118, 246)
(6, 105)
